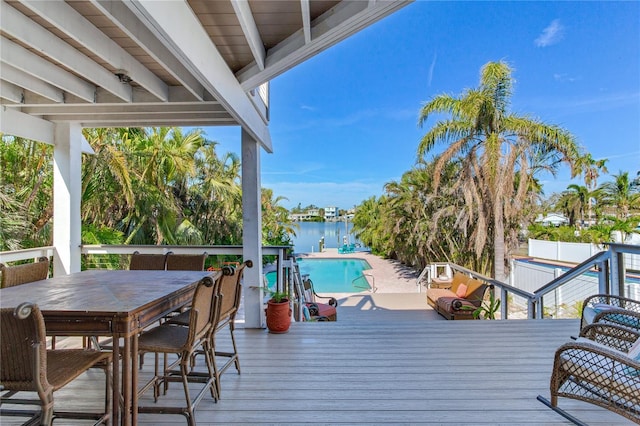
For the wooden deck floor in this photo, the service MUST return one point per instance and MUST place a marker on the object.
(379, 365)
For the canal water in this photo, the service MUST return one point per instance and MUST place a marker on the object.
(308, 235)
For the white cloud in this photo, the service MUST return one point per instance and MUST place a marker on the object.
(431, 68)
(565, 78)
(550, 35)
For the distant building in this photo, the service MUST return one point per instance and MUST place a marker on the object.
(313, 212)
(554, 219)
(330, 213)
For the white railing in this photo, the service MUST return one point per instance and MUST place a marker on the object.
(26, 254)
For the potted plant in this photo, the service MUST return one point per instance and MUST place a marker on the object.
(278, 312)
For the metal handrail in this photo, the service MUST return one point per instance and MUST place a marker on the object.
(373, 288)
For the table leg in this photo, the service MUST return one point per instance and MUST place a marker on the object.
(115, 385)
(126, 381)
(134, 378)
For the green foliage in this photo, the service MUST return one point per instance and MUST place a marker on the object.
(149, 186)
(488, 308)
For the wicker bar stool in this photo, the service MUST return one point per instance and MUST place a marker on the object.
(230, 294)
(184, 341)
(27, 366)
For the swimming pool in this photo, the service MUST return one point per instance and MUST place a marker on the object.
(333, 275)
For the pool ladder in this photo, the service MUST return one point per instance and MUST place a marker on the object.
(372, 288)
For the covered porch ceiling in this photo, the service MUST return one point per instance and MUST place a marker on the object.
(113, 63)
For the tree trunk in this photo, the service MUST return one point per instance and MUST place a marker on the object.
(498, 245)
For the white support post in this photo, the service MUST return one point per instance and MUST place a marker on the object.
(67, 192)
(252, 231)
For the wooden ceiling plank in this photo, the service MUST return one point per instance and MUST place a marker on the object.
(201, 57)
(32, 64)
(72, 23)
(127, 22)
(336, 24)
(33, 35)
(250, 30)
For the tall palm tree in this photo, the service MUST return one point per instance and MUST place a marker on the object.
(591, 169)
(622, 195)
(493, 144)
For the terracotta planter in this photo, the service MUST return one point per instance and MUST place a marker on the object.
(278, 316)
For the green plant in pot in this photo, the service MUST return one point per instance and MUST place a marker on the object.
(278, 311)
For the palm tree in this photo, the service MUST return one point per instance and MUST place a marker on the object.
(592, 169)
(493, 145)
(621, 194)
(574, 202)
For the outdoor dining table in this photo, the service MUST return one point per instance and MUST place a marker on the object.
(118, 304)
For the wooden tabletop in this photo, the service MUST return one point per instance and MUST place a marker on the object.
(116, 294)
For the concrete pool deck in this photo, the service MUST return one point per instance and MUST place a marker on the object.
(389, 276)
(396, 295)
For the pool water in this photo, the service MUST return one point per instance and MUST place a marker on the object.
(333, 275)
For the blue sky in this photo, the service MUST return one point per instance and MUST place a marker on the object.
(344, 123)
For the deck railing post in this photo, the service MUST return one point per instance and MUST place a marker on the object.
(504, 303)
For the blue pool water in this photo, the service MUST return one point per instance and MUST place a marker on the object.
(333, 275)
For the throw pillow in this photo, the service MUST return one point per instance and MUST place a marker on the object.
(461, 291)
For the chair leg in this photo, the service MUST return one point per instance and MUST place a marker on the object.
(185, 384)
(235, 348)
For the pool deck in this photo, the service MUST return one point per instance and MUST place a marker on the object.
(390, 276)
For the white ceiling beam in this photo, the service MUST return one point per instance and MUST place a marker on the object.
(25, 126)
(67, 20)
(30, 63)
(338, 23)
(168, 21)
(127, 22)
(155, 122)
(250, 30)
(11, 92)
(78, 110)
(31, 83)
(187, 117)
(306, 20)
(30, 33)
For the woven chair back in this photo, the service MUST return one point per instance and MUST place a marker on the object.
(230, 289)
(186, 262)
(204, 308)
(149, 262)
(23, 345)
(22, 274)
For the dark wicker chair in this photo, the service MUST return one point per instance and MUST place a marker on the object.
(21, 274)
(184, 341)
(155, 262)
(27, 366)
(230, 291)
(597, 369)
(186, 262)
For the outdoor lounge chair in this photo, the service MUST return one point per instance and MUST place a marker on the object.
(459, 298)
(184, 341)
(21, 274)
(602, 367)
(27, 366)
(601, 307)
(308, 308)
